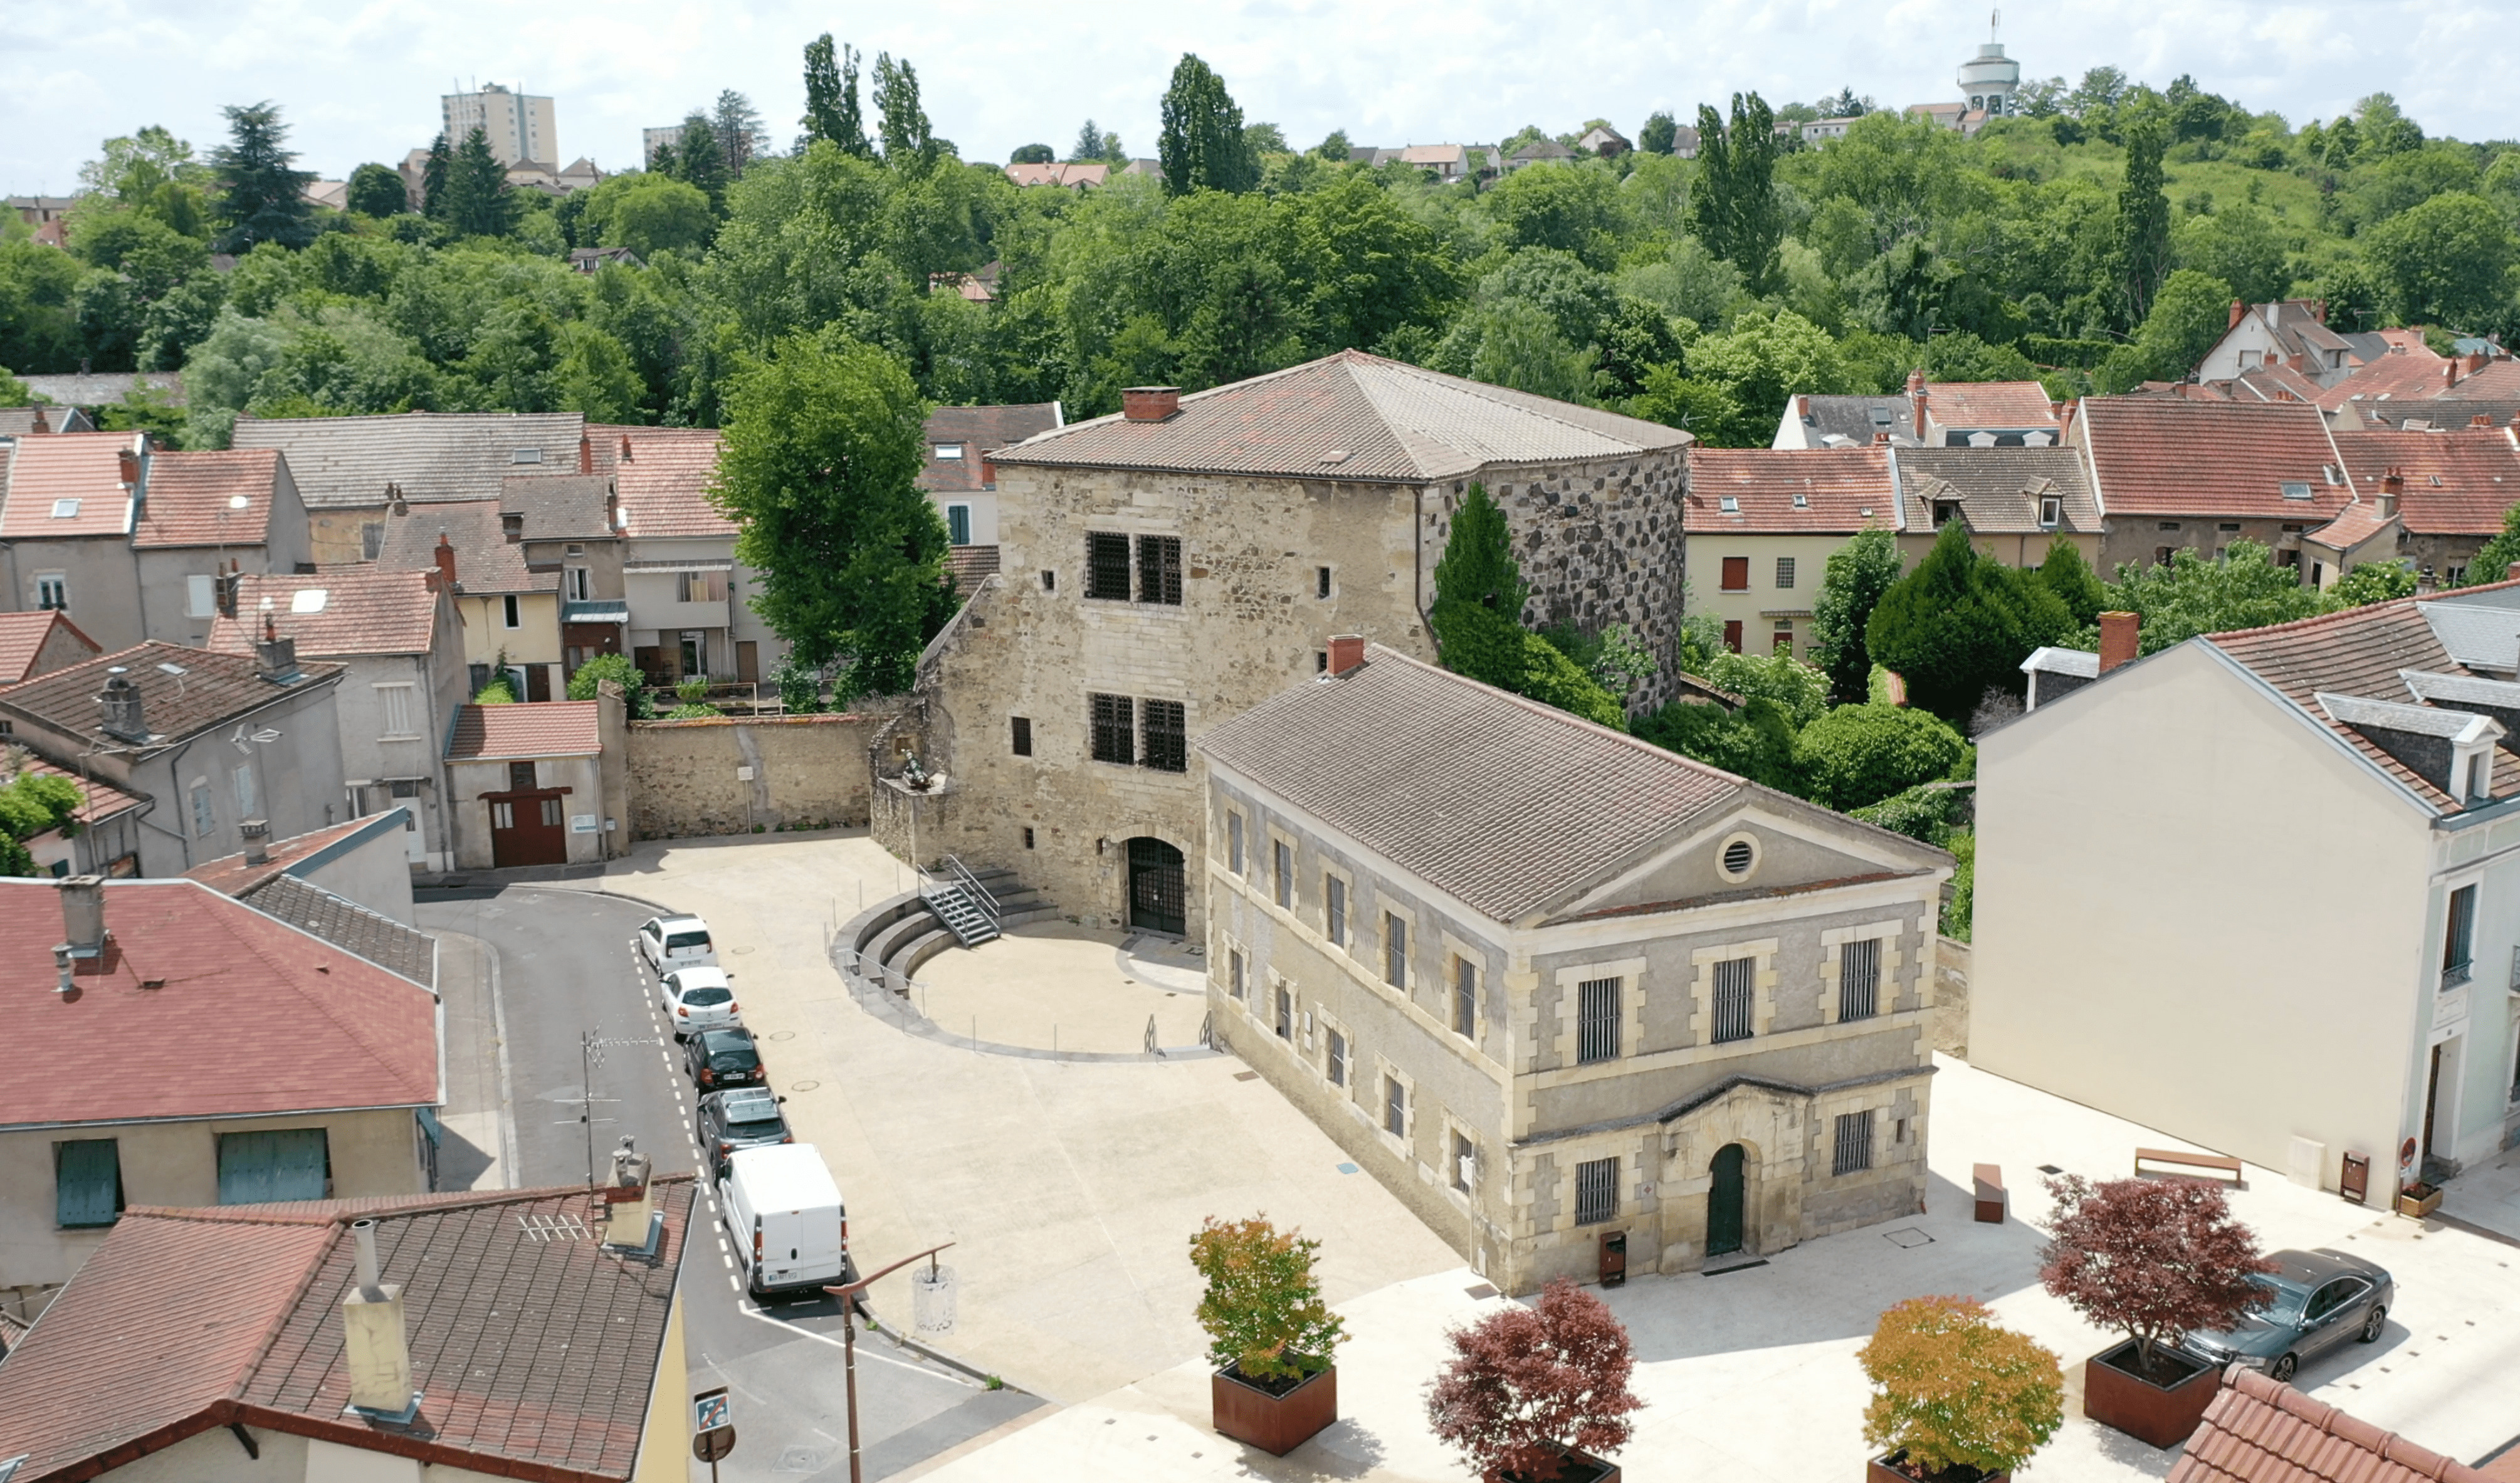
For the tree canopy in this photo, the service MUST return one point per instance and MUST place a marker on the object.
(1202, 146)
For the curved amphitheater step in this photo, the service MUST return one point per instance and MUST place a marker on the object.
(900, 940)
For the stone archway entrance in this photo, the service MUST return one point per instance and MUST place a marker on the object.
(1157, 891)
(1726, 1198)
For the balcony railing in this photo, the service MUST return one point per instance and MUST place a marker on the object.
(2455, 974)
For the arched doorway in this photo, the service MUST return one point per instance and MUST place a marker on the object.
(1156, 888)
(1723, 1200)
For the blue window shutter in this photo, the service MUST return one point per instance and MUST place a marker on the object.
(256, 1167)
(87, 1180)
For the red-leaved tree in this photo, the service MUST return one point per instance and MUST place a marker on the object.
(2154, 1259)
(1525, 1383)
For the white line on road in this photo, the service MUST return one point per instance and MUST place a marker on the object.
(731, 1286)
(865, 1352)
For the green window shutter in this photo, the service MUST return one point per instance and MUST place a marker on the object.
(257, 1167)
(87, 1182)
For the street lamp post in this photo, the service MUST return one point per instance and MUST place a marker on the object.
(848, 1296)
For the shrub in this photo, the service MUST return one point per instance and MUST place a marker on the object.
(1799, 689)
(800, 687)
(1924, 812)
(693, 710)
(1756, 742)
(1263, 1311)
(693, 691)
(1958, 916)
(1951, 1389)
(496, 692)
(1861, 754)
(1961, 623)
(1525, 1383)
(618, 669)
(2154, 1259)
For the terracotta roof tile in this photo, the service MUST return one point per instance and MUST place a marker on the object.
(28, 421)
(2259, 1431)
(192, 498)
(663, 478)
(345, 611)
(2457, 482)
(248, 1015)
(431, 455)
(526, 728)
(2496, 381)
(485, 560)
(1839, 490)
(2178, 456)
(1990, 404)
(23, 635)
(1998, 489)
(975, 432)
(68, 484)
(212, 689)
(969, 565)
(103, 800)
(2399, 375)
(2360, 522)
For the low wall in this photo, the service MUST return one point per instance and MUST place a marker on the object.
(734, 776)
(1950, 997)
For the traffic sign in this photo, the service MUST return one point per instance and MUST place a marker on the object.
(713, 1444)
(711, 1408)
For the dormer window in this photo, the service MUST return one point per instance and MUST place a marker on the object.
(1945, 512)
(1728, 504)
(949, 450)
(2296, 489)
(1880, 417)
(2051, 511)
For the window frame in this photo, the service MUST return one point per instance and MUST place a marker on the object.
(202, 594)
(63, 1206)
(1786, 573)
(1334, 908)
(511, 611)
(205, 819)
(1394, 1121)
(1163, 736)
(1107, 555)
(52, 592)
(1020, 735)
(1235, 856)
(1743, 996)
(1859, 958)
(1339, 1057)
(1726, 572)
(1599, 1032)
(1596, 1181)
(1159, 570)
(1850, 1143)
(1111, 724)
(393, 704)
(2458, 935)
(1395, 950)
(1464, 989)
(1281, 873)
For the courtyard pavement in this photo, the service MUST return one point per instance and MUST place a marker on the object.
(1053, 985)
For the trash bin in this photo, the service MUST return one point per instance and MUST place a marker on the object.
(2354, 1183)
(1614, 1258)
(931, 1299)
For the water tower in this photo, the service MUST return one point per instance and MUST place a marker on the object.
(1989, 79)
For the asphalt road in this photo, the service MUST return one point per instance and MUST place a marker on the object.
(567, 968)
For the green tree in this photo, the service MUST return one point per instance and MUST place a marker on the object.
(1861, 754)
(1755, 741)
(433, 175)
(2188, 316)
(2372, 582)
(374, 190)
(1660, 135)
(832, 98)
(2142, 243)
(698, 162)
(910, 144)
(1032, 154)
(2193, 595)
(738, 124)
(1573, 210)
(650, 214)
(2447, 261)
(152, 172)
(1850, 585)
(1202, 146)
(1764, 359)
(2066, 574)
(2240, 245)
(1796, 687)
(1960, 625)
(2492, 561)
(1263, 1308)
(618, 669)
(1734, 210)
(478, 202)
(263, 194)
(1479, 595)
(823, 449)
(1367, 265)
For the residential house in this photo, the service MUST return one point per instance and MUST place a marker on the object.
(2172, 472)
(1447, 162)
(206, 513)
(2156, 935)
(510, 613)
(539, 784)
(362, 862)
(1540, 151)
(1605, 141)
(42, 210)
(196, 1052)
(19, 421)
(571, 524)
(89, 392)
(212, 740)
(2015, 502)
(594, 259)
(2425, 415)
(401, 648)
(963, 483)
(691, 608)
(97, 841)
(349, 469)
(456, 1337)
(2449, 491)
(38, 642)
(1683, 142)
(2291, 334)
(1928, 414)
(1562, 991)
(1177, 563)
(1079, 176)
(67, 502)
(1762, 523)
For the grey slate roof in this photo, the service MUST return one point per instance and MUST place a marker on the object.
(1858, 418)
(349, 926)
(1350, 417)
(570, 507)
(1999, 488)
(432, 456)
(486, 562)
(209, 689)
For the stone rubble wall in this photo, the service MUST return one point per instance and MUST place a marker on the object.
(807, 772)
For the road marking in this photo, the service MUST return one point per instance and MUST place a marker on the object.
(865, 1352)
(724, 1257)
(731, 1286)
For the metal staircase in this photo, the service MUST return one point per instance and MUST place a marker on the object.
(961, 903)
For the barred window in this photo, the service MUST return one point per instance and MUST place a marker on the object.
(1334, 908)
(1597, 1021)
(1160, 569)
(1859, 978)
(1335, 1066)
(1115, 736)
(1167, 736)
(1022, 728)
(1395, 1108)
(1284, 880)
(1784, 572)
(1395, 951)
(1734, 998)
(1233, 843)
(1854, 1152)
(1233, 972)
(1285, 1015)
(1597, 1190)
(1106, 567)
(1466, 998)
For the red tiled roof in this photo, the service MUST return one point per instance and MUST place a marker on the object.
(2176, 456)
(79, 475)
(192, 498)
(1990, 404)
(2457, 482)
(663, 478)
(345, 610)
(2360, 522)
(2500, 378)
(104, 802)
(248, 1015)
(2401, 375)
(969, 565)
(1842, 489)
(976, 431)
(526, 728)
(535, 1354)
(2259, 1431)
(2279, 382)
(1074, 176)
(23, 635)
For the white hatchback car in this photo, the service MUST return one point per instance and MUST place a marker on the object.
(676, 942)
(698, 999)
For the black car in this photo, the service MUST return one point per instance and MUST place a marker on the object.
(744, 1119)
(2316, 1301)
(716, 1060)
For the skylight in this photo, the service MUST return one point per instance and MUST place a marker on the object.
(66, 510)
(2296, 489)
(310, 599)
(1730, 505)
(526, 456)
(949, 450)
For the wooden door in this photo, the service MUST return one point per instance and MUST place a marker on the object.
(528, 829)
(538, 682)
(1723, 1200)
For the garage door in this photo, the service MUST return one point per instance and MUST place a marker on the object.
(290, 1164)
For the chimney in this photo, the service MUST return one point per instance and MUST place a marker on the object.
(395, 501)
(42, 425)
(445, 555)
(2449, 374)
(512, 525)
(625, 448)
(1347, 651)
(1149, 404)
(84, 915)
(585, 454)
(2480, 421)
(226, 589)
(2475, 362)
(2236, 311)
(2118, 634)
(2392, 484)
(120, 703)
(129, 468)
(1881, 440)
(2318, 310)
(257, 840)
(376, 1348)
(1917, 402)
(274, 658)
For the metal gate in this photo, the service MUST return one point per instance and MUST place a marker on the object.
(1156, 888)
(1723, 1202)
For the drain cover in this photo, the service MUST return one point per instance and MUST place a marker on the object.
(802, 1086)
(799, 1459)
(1246, 1076)
(1907, 1236)
(1482, 1290)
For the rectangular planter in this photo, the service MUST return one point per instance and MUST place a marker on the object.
(1276, 1425)
(1580, 1466)
(2416, 1201)
(1886, 1469)
(2115, 1395)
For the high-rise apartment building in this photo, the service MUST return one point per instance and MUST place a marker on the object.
(519, 127)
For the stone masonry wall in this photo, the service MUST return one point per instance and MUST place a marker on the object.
(807, 772)
(1951, 998)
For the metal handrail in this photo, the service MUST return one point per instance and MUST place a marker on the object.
(964, 877)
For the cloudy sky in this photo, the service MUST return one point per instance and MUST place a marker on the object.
(359, 79)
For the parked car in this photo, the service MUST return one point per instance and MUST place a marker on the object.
(715, 1060)
(676, 942)
(748, 1117)
(698, 999)
(784, 1212)
(2320, 1299)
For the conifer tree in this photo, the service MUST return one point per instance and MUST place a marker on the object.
(432, 180)
(1734, 210)
(264, 198)
(1203, 147)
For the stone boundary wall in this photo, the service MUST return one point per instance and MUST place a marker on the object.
(1950, 997)
(688, 778)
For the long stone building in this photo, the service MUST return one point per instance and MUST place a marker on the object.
(1170, 567)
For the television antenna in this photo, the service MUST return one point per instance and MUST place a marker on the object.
(591, 1045)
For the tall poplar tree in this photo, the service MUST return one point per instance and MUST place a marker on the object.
(1734, 208)
(432, 180)
(910, 144)
(1203, 147)
(2142, 255)
(831, 97)
(264, 194)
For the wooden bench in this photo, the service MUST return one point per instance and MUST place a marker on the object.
(2219, 1163)
(1989, 1179)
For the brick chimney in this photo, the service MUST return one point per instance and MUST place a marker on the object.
(2236, 310)
(1881, 440)
(1149, 404)
(625, 448)
(257, 840)
(2118, 634)
(1917, 403)
(585, 454)
(274, 658)
(1347, 651)
(2318, 310)
(2475, 362)
(2392, 484)
(377, 1349)
(128, 467)
(445, 555)
(2480, 419)
(42, 425)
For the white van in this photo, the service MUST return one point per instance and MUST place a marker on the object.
(789, 1229)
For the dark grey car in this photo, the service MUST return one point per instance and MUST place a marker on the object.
(2321, 1299)
(744, 1119)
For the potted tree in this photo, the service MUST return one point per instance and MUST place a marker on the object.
(1269, 1332)
(2153, 1259)
(1955, 1399)
(1536, 1393)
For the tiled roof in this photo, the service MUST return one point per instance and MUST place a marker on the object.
(200, 1006)
(67, 485)
(2000, 489)
(103, 800)
(2175, 456)
(535, 1355)
(1989, 404)
(560, 507)
(349, 926)
(23, 636)
(1351, 417)
(192, 498)
(2457, 482)
(21, 422)
(1058, 173)
(2453, 411)
(526, 728)
(1855, 419)
(663, 478)
(1840, 489)
(976, 431)
(431, 455)
(2360, 522)
(343, 611)
(2279, 382)
(2397, 375)
(969, 565)
(1503, 802)
(2259, 1431)
(102, 387)
(2494, 382)
(231, 876)
(211, 689)
(485, 560)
